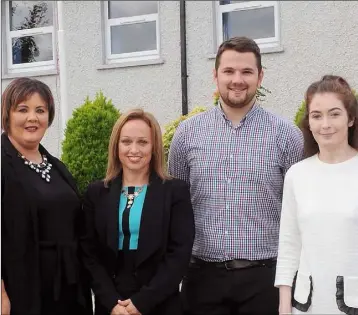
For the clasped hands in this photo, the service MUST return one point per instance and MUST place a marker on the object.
(125, 308)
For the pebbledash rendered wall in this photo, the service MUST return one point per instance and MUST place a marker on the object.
(317, 37)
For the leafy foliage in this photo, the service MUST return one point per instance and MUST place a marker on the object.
(85, 147)
(261, 93)
(171, 127)
(300, 113)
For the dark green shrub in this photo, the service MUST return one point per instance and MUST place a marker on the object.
(85, 147)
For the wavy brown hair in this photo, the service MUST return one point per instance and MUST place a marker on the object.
(341, 88)
(157, 163)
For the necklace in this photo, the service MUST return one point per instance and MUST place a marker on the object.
(130, 197)
(43, 168)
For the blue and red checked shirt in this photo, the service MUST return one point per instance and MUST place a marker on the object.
(236, 177)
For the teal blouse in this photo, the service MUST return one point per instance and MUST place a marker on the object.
(129, 219)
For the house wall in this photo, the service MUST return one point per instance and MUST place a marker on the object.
(317, 38)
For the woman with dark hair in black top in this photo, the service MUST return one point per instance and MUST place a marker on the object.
(40, 208)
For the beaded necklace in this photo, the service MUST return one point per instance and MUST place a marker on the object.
(43, 168)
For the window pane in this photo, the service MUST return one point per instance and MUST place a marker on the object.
(30, 14)
(32, 48)
(253, 23)
(119, 9)
(229, 2)
(133, 37)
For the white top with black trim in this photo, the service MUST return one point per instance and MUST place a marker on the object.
(319, 236)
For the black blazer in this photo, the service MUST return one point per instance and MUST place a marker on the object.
(165, 241)
(20, 268)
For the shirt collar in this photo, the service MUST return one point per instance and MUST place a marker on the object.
(249, 114)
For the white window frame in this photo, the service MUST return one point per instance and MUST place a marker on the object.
(31, 66)
(133, 56)
(271, 42)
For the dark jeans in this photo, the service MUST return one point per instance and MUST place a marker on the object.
(209, 290)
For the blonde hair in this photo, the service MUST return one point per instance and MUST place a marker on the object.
(157, 163)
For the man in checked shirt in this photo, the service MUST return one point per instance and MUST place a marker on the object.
(234, 157)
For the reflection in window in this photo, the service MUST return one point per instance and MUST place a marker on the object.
(31, 33)
(30, 14)
(32, 49)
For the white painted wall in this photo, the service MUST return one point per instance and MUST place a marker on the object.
(318, 37)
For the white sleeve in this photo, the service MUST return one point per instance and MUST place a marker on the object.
(289, 249)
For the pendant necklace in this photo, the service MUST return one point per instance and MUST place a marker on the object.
(130, 197)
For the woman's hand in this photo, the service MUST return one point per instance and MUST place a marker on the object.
(131, 309)
(5, 301)
(5, 305)
(119, 310)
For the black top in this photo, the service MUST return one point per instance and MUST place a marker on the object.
(58, 207)
(40, 233)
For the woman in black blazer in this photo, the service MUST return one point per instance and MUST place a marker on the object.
(139, 225)
(40, 208)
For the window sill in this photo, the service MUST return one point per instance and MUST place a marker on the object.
(135, 63)
(35, 73)
(264, 50)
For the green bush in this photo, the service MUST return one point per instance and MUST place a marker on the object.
(301, 110)
(300, 113)
(171, 127)
(85, 146)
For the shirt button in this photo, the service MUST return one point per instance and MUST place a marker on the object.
(226, 232)
(114, 276)
(231, 156)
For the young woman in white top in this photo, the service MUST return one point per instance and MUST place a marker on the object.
(317, 267)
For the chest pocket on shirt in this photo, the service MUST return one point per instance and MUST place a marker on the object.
(347, 294)
(302, 291)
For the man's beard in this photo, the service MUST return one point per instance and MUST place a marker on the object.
(237, 103)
